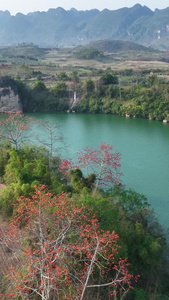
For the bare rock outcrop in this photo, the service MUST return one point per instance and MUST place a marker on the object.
(9, 101)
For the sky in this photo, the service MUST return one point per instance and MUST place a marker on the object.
(15, 6)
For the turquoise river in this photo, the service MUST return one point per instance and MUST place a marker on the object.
(143, 144)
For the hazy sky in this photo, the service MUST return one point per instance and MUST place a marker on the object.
(26, 6)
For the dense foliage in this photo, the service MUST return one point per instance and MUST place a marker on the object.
(146, 99)
(125, 212)
(143, 96)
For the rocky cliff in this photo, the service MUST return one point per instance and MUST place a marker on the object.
(9, 101)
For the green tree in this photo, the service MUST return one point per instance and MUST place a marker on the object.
(74, 76)
(89, 86)
(4, 156)
(61, 94)
(108, 78)
(60, 90)
(39, 86)
(62, 76)
(24, 169)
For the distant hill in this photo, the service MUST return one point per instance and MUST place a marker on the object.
(23, 50)
(59, 27)
(116, 46)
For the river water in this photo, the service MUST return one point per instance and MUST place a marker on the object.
(143, 144)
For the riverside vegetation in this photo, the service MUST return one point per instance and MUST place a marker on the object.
(67, 237)
(133, 84)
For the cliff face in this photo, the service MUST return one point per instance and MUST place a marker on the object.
(9, 101)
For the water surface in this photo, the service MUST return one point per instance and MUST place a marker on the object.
(143, 144)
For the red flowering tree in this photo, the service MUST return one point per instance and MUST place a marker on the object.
(103, 162)
(59, 251)
(66, 165)
(14, 128)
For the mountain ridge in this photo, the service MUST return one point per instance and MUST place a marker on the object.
(64, 28)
